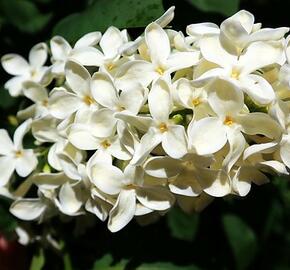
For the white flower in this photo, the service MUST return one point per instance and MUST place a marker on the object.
(13, 156)
(33, 70)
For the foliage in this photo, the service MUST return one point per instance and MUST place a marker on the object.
(230, 234)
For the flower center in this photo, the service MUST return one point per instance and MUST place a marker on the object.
(163, 127)
(45, 103)
(159, 70)
(196, 101)
(228, 120)
(88, 100)
(18, 154)
(110, 66)
(105, 144)
(235, 73)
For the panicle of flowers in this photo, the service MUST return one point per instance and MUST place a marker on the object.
(127, 128)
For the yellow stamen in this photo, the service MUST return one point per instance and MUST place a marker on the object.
(110, 66)
(196, 101)
(88, 100)
(18, 154)
(235, 74)
(159, 70)
(105, 144)
(163, 127)
(45, 103)
(228, 120)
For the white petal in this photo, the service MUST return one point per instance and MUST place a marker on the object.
(7, 167)
(276, 166)
(261, 54)
(15, 64)
(212, 51)
(26, 163)
(98, 207)
(62, 103)
(216, 183)
(14, 85)
(133, 73)
(156, 198)
(259, 148)
(102, 123)
(28, 209)
(123, 211)
(258, 89)
(89, 39)
(200, 29)
(158, 43)
(104, 91)
(81, 137)
(68, 200)
(38, 55)
(34, 91)
(166, 17)
(225, 98)
(118, 150)
(162, 167)
(160, 100)
(78, 78)
(181, 60)
(107, 178)
(111, 41)
(259, 123)
(20, 132)
(285, 153)
(148, 142)
(87, 56)
(6, 144)
(266, 34)
(207, 135)
(60, 48)
(174, 142)
(140, 122)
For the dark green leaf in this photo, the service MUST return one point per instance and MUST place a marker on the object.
(24, 15)
(182, 225)
(38, 261)
(6, 101)
(7, 222)
(105, 263)
(165, 266)
(242, 240)
(225, 7)
(103, 13)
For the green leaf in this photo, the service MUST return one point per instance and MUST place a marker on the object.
(224, 7)
(38, 261)
(105, 263)
(165, 266)
(67, 262)
(24, 15)
(6, 101)
(103, 13)
(182, 225)
(242, 240)
(7, 222)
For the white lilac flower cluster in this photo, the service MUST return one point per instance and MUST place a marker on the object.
(125, 128)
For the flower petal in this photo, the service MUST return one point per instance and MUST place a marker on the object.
(15, 64)
(38, 55)
(60, 48)
(20, 132)
(89, 39)
(207, 135)
(123, 211)
(7, 167)
(6, 144)
(34, 91)
(87, 56)
(26, 163)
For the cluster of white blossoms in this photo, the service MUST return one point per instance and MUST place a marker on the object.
(126, 128)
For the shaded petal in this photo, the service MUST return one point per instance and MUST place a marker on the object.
(89, 39)
(60, 48)
(104, 91)
(107, 178)
(7, 167)
(123, 211)
(156, 198)
(34, 91)
(14, 85)
(87, 56)
(285, 153)
(174, 142)
(6, 144)
(181, 60)
(259, 123)
(207, 135)
(160, 100)
(158, 43)
(78, 78)
(26, 163)
(38, 55)
(28, 209)
(259, 148)
(15, 64)
(20, 132)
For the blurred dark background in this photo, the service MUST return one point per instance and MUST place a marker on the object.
(231, 233)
